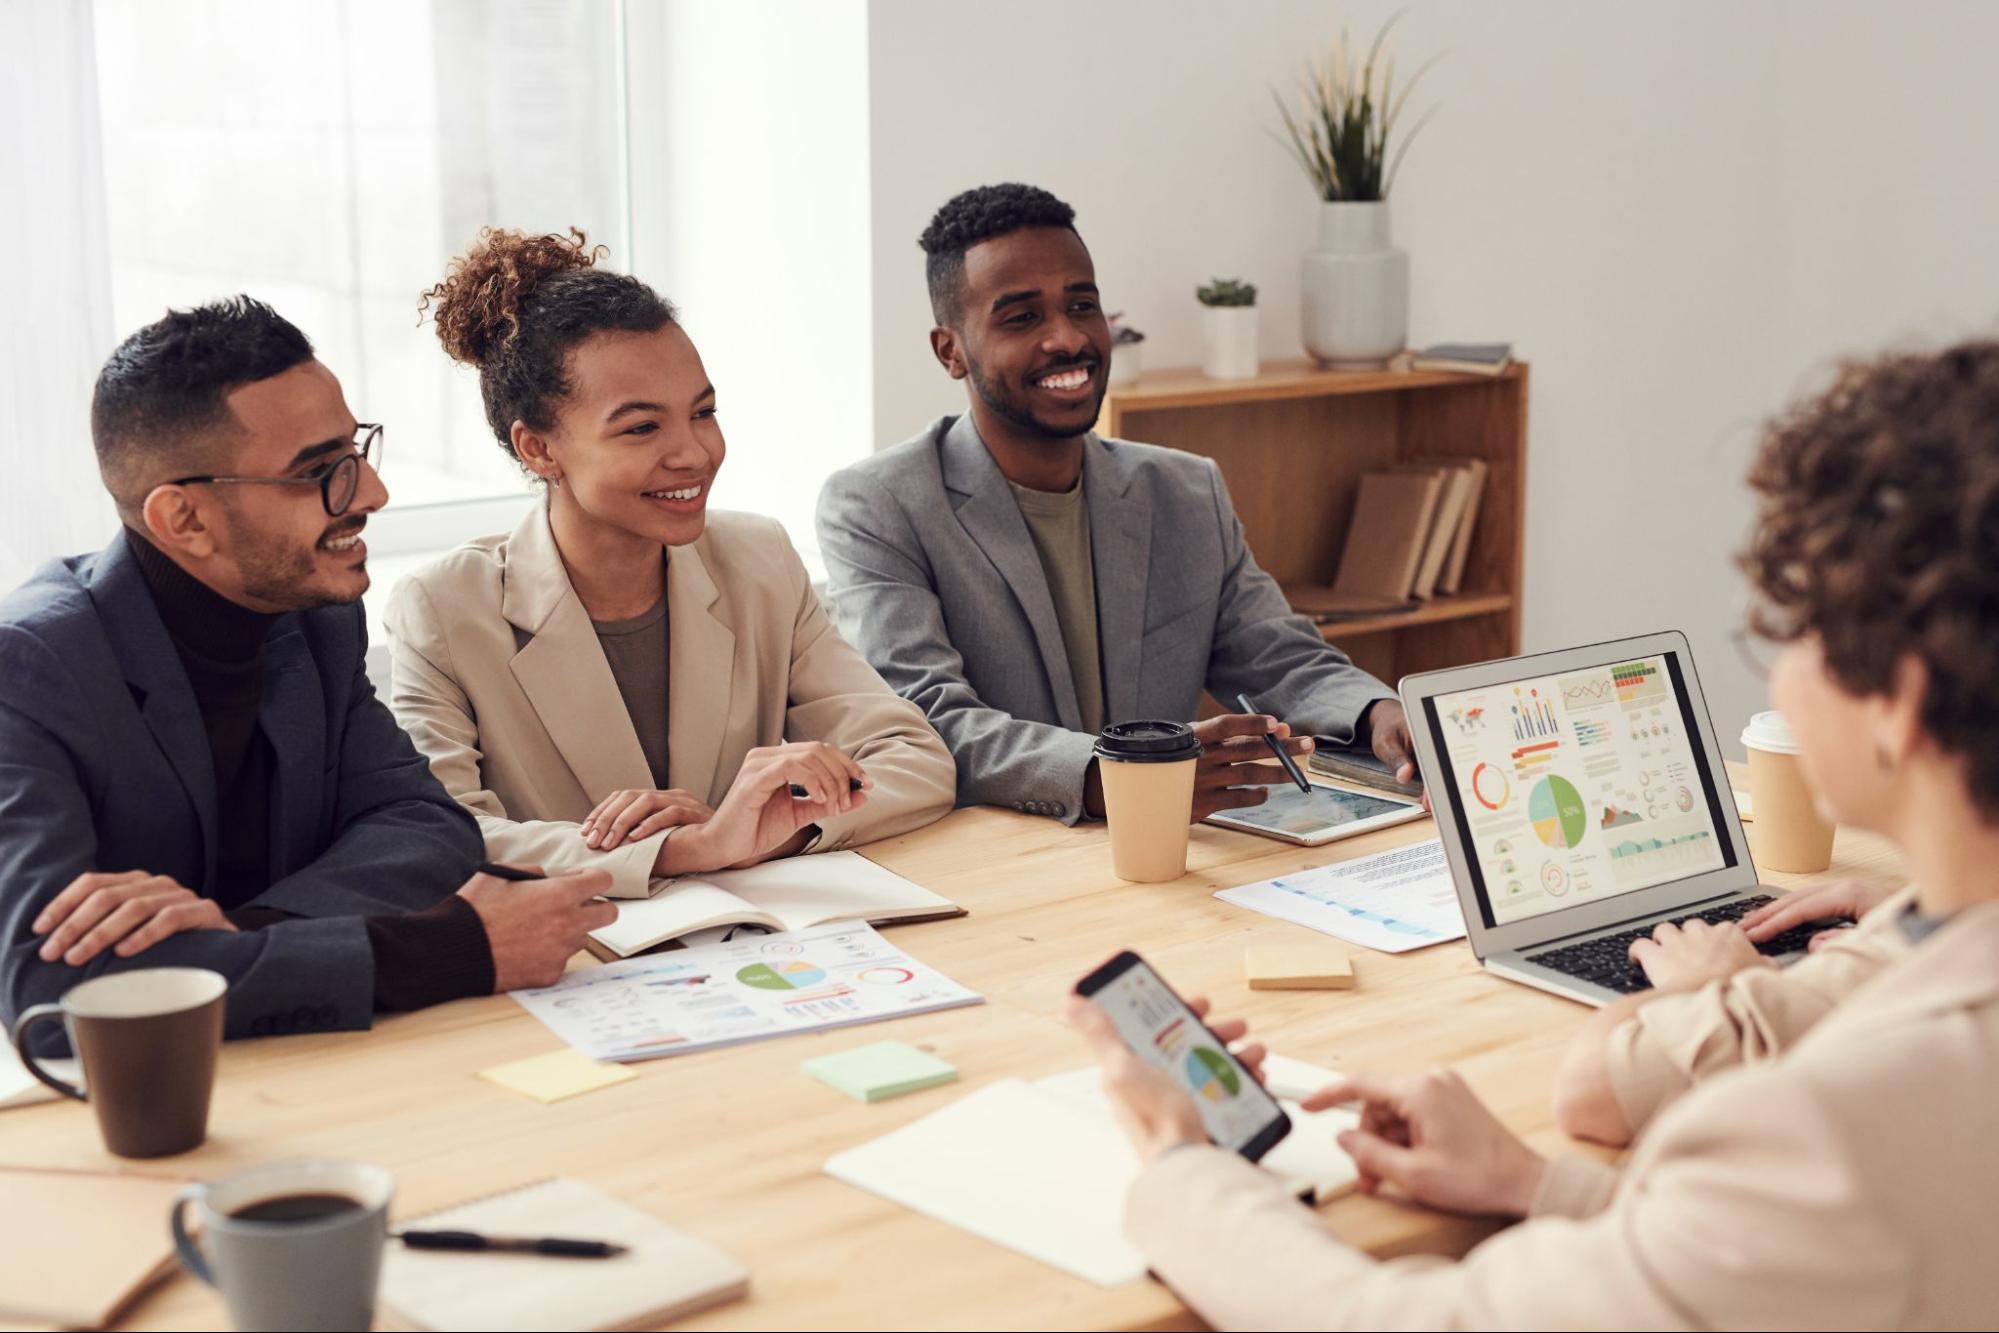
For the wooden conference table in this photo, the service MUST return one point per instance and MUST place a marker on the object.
(729, 1144)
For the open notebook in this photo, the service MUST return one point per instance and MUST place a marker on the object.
(666, 1274)
(81, 1245)
(790, 894)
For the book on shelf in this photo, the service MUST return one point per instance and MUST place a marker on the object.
(1385, 546)
(1408, 542)
(1465, 358)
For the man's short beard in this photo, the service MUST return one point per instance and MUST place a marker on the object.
(1020, 418)
(279, 574)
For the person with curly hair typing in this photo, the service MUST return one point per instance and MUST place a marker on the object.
(1843, 1180)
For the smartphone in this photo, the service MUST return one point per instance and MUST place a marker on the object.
(1162, 1031)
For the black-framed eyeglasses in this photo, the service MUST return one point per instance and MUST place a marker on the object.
(337, 481)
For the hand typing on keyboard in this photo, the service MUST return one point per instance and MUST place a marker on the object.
(1687, 957)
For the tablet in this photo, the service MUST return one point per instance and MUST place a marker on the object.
(1321, 816)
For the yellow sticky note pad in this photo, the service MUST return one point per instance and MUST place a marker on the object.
(1294, 967)
(559, 1074)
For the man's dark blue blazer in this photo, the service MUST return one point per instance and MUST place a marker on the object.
(104, 765)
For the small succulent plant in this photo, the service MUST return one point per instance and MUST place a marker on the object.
(1227, 291)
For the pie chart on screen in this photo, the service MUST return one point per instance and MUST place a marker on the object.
(1557, 812)
(1209, 1074)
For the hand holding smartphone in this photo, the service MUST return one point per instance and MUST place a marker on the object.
(1159, 1028)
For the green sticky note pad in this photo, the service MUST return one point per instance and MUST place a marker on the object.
(876, 1073)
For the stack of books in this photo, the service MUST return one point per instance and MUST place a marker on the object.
(1411, 533)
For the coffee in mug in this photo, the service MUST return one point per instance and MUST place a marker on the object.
(146, 1040)
(296, 1245)
(1147, 769)
(1790, 833)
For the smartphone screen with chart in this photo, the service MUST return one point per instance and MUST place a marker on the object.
(1161, 1030)
(1581, 786)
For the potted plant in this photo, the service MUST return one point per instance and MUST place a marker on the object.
(1228, 319)
(1125, 342)
(1354, 303)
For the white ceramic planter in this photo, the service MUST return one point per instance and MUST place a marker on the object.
(1354, 289)
(1125, 364)
(1230, 335)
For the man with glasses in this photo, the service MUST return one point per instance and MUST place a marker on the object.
(194, 769)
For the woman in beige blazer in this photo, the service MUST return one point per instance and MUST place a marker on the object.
(1849, 1178)
(627, 680)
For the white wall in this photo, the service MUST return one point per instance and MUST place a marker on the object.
(749, 164)
(1674, 210)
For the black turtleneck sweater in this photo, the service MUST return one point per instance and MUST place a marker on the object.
(421, 958)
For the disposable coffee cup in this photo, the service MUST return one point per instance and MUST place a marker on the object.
(1790, 833)
(1147, 770)
(146, 1041)
(295, 1245)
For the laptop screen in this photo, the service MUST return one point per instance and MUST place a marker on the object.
(1573, 788)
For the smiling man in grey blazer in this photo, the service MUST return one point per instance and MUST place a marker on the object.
(1026, 582)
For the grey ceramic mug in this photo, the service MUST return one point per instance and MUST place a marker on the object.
(319, 1272)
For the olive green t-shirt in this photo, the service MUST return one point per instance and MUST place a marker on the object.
(1059, 522)
(637, 652)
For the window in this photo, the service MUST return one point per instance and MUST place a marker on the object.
(330, 158)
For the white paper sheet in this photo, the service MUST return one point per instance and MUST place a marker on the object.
(739, 991)
(20, 1088)
(1043, 1169)
(1393, 901)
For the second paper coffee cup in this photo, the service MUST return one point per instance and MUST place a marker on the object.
(1790, 834)
(1148, 775)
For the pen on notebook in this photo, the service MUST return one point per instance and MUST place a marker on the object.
(1248, 705)
(853, 784)
(472, 1241)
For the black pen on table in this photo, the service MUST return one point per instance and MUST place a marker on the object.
(1248, 705)
(472, 1241)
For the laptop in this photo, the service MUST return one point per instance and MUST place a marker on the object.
(1581, 801)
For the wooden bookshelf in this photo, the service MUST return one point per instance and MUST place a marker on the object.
(1292, 444)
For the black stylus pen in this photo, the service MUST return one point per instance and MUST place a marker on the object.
(1248, 705)
(853, 784)
(498, 871)
(473, 1241)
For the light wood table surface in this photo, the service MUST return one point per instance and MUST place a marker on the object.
(729, 1144)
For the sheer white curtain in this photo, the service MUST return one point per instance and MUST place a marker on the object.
(55, 325)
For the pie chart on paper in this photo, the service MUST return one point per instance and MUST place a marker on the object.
(1557, 812)
(795, 975)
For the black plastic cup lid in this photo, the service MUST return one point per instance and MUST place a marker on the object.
(1148, 742)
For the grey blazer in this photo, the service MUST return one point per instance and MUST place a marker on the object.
(104, 766)
(933, 576)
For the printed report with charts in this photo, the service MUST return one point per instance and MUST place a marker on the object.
(740, 990)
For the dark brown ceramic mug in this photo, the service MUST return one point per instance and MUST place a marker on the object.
(147, 1041)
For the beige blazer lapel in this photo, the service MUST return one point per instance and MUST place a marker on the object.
(562, 669)
(701, 668)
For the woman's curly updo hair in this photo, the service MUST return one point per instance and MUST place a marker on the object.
(1878, 532)
(515, 305)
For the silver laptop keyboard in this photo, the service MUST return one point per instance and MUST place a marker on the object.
(1606, 960)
